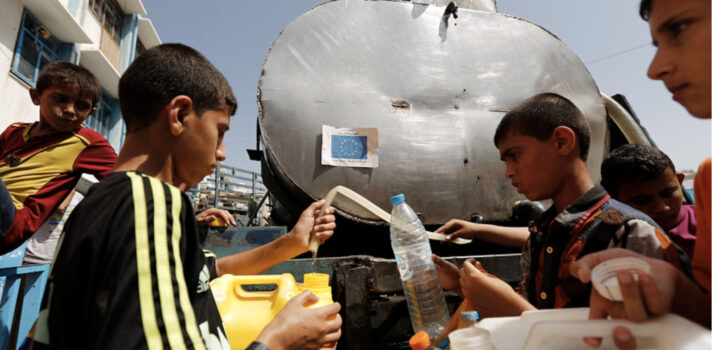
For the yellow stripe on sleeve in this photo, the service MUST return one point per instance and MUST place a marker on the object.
(163, 266)
(191, 325)
(143, 264)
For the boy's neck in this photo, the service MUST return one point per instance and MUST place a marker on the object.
(144, 152)
(577, 184)
(39, 128)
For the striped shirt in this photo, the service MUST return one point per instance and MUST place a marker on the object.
(130, 273)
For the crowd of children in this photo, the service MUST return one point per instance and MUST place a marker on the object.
(130, 273)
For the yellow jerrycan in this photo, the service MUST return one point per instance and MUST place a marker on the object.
(246, 313)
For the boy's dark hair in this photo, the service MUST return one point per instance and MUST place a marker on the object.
(164, 72)
(637, 163)
(67, 74)
(645, 9)
(540, 114)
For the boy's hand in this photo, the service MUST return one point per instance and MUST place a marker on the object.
(456, 228)
(490, 294)
(448, 273)
(322, 227)
(298, 327)
(208, 215)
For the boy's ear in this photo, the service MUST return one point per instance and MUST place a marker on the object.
(178, 108)
(565, 140)
(35, 96)
(680, 177)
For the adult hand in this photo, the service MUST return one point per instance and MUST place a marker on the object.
(298, 327)
(448, 273)
(489, 294)
(207, 216)
(456, 228)
(308, 225)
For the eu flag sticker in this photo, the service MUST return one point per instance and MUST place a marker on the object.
(349, 147)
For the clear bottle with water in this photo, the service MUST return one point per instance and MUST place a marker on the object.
(421, 285)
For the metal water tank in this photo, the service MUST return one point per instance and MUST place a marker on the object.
(434, 83)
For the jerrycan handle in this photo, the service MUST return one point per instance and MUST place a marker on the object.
(542, 331)
(239, 281)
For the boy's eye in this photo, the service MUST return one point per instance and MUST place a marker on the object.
(677, 28)
(83, 106)
(668, 192)
(60, 98)
(640, 201)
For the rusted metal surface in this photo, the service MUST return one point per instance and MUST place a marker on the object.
(369, 289)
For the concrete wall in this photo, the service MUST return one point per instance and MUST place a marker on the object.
(14, 96)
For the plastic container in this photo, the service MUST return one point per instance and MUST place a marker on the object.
(470, 338)
(246, 313)
(218, 222)
(564, 329)
(421, 285)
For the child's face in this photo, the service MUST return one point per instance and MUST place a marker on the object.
(681, 31)
(62, 108)
(660, 198)
(201, 145)
(529, 165)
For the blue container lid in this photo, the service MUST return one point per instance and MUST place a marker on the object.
(470, 316)
(398, 199)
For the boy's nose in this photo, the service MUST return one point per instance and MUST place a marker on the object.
(660, 65)
(69, 109)
(220, 154)
(660, 206)
(509, 172)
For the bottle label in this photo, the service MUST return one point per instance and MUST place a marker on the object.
(406, 272)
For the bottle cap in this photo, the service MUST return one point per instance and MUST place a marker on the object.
(444, 343)
(419, 341)
(398, 199)
(470, 316)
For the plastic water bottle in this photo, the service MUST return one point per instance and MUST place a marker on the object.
(421, 285)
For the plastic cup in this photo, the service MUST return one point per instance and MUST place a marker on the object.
(604, 278)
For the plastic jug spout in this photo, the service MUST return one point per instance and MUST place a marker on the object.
(316, 281)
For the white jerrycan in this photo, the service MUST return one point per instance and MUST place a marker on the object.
(563, 329)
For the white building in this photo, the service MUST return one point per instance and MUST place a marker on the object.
(103, 36)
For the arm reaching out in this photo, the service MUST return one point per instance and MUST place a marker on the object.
(490, 294)
(295, 242)
(514, 237)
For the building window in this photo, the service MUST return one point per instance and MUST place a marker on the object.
(110, 16)
(36, 47)
(100, 121)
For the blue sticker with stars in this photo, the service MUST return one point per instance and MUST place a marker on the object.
(349, 147)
